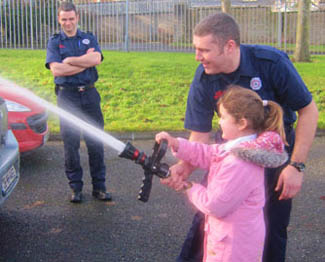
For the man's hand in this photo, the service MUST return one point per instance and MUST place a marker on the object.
(290, 181)
(90, 50)
(178, 174)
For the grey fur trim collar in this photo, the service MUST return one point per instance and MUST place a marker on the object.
(260, 157)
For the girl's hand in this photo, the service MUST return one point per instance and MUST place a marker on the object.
(172, 141)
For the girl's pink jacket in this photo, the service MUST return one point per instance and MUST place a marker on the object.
(234, 198)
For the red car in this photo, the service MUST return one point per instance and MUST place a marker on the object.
(27, 120)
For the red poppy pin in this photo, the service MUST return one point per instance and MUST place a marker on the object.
(217, 94)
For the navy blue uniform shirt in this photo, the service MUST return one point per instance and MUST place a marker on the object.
(264, 69)
(60, 47)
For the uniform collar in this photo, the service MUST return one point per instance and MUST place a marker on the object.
(64, 36)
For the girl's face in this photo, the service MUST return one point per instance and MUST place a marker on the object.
(230, 128)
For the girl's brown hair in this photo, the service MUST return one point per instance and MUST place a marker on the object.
(244, 103)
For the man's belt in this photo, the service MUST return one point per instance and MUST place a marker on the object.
(81, 88)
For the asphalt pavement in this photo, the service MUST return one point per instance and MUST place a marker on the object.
(38, 223)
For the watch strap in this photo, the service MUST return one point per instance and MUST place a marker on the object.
(300, 166)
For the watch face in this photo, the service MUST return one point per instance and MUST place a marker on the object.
(300, 167)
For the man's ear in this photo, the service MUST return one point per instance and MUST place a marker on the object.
(230, 46)
(242, 124)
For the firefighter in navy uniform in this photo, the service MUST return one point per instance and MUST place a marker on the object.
(72, 56)
(270, 73)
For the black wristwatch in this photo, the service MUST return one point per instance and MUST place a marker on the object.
(300, 166)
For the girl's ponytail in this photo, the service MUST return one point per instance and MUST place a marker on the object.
(273, 118)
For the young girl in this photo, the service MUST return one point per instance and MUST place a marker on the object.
(234, 197)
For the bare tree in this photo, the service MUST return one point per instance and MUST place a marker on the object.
(302, 36)
(226, 6)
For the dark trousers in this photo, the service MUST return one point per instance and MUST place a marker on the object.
(85, 105)
(276, 212)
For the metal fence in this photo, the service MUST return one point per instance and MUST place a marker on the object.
(156, 25)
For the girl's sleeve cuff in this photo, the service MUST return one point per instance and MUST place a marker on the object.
(190, 191)
(181, 147)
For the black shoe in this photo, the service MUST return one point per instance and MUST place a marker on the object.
(76, 197)
(102, 195)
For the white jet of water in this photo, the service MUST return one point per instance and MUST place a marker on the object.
(107, 139)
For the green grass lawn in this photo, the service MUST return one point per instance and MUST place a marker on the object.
(140, 91)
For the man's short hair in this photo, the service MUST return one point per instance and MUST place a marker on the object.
(67, 7)
(222, 26)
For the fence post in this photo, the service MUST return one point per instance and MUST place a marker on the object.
(126, 37)
(279, 27)
(150, 28)
(31, 23)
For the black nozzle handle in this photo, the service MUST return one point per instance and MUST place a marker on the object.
(146, 186)
(159, 151)
(151, 165)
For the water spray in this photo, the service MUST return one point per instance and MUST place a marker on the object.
(150, 164)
